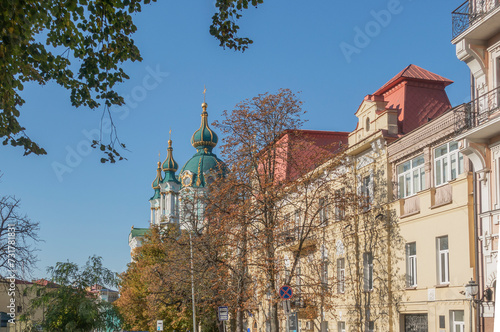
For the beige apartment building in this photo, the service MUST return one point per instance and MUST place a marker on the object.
(433, 204)
(394, 246)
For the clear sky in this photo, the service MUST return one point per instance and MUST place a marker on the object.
(86, 208)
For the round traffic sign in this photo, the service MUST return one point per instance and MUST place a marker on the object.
(286, 292)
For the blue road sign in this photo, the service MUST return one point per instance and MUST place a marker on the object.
(286, 292)
(223, 313)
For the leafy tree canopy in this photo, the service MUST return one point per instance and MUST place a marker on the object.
(69, 304)
(80, 45)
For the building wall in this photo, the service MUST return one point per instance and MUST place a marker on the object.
(477, 41)
(23, 296)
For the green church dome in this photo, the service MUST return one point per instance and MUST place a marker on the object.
(204, 137)
(201, 169)
(170, 166)
(156, 182)
(204, 166)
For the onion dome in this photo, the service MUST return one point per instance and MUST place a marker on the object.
(170, 166)
(204, 167)
(204, 137)
(156, 182)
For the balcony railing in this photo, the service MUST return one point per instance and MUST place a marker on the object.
(469, 12)
(292, 235)
(476, 112)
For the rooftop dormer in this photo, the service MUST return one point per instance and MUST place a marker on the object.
(405, 102)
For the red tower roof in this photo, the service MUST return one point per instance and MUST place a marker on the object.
(412, 72)
(417, 94)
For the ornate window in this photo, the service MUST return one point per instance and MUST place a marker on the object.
(339, 204)
(340, 275)
(368, 271)
(366, 192)
(323, 211)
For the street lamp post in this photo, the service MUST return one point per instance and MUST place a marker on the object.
(472, 289)
(192, 283)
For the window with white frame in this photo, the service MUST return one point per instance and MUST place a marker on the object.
(339, 204)
(411, 264)
(325, 272)
(324, 266)
(448, 163)
(323, 211)
(411, 177)
(443, 256)
(366, 192)
(457, 320)
(341, 326)
(368, 271)
(340, 275)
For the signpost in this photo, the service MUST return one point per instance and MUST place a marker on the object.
(223, 313)
(159, 325)
(286, 292)
(286, 307)
(223, 316)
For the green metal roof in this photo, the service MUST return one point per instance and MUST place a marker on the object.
(135, 232)
(157, 194)
(200, 164)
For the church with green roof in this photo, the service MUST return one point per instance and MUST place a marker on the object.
(174, 198)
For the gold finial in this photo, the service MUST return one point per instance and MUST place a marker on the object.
(159, 156)
(170, 134)
(204, 105)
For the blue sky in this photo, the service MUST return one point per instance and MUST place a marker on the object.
(87, 208)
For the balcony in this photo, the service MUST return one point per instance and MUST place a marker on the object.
(477, 112)
(292, 237)
(470, 12)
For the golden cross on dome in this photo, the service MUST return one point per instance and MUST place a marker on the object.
(159, 156)
(204, 91)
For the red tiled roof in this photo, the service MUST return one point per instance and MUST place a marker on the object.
(412, 72)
